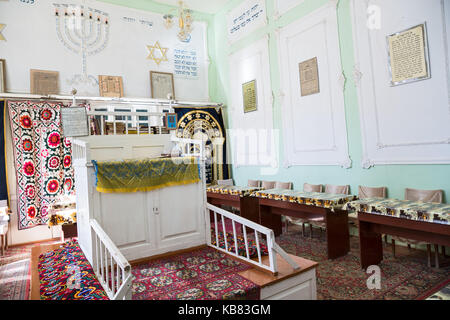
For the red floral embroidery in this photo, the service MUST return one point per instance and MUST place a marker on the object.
(44, 211)
(46, 114)
(54, 139)
(67, 161)
(31, 212)
(25, 121)
(28, 168)
(53, 162)
(53, 186)
(27, 145)
(30, 191)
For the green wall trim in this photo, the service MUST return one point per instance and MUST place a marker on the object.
(395, 177)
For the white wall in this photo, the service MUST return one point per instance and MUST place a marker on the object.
(408, 123)
(32, 43)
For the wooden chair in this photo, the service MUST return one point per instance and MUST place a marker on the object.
(227, 182)
(268, 184)
(425, 196)
(312, 187)
(364, 193)
(299, 221)
(320, 221)
(329, 188)
(283, 185)
(254, 183)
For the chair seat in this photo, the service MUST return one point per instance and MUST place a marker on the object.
(319, 221)
(408, 241)
(295, 220)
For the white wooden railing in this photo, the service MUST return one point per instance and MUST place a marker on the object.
(272, 247)
(111, 268)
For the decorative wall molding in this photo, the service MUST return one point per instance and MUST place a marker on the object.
(283, 6)
(319, 29)
(382, 143)
(357, 75)
(248, 64)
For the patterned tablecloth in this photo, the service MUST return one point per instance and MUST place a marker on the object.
(318, 199)
(407, 209)
(233, 190)
(146, 174)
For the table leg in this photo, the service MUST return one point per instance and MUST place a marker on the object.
(270, 220)
(370, 245)
(249, 208)
(338, 237)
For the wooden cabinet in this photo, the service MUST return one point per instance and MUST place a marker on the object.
(141, 224)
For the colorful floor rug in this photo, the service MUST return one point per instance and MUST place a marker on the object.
(15, 280)
(405, 276)
(14, 254)
(204, 274)
(65, 274)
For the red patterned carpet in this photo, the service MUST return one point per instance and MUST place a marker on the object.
(204, 274)
(15, 273)
(405, 277)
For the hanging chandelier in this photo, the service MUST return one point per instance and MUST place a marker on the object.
(184, 21)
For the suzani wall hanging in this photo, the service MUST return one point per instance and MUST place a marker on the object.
(42, 158)
(206, 124)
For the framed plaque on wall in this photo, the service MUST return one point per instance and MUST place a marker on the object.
(162, 85)
(110, 86)
(408, 55)
(44, 82)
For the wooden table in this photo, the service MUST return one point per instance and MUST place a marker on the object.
(371, 226)
(247, 205)
(338, 239)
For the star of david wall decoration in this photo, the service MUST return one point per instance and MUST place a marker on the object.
(157, 53)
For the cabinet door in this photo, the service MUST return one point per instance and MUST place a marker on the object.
(180, 217)
(128, 219)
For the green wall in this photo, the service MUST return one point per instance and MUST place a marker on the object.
(395, 177)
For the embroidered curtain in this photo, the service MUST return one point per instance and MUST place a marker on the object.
(201, 123)
(42, 158)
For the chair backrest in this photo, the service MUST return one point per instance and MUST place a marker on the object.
(254, 183)
(283, 185)
(423, 195)
(329, 188)
(312, 187)
(227, 182)
(268, 184)
(371, 192)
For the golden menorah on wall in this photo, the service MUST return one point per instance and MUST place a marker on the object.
(83, 31)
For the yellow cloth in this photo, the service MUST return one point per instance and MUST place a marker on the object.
(145, 175)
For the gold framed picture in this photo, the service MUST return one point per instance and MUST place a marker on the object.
(110, 86)
(44, 82)
(2, 75)
(249, 96)
(162, 86)
(309, 77)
